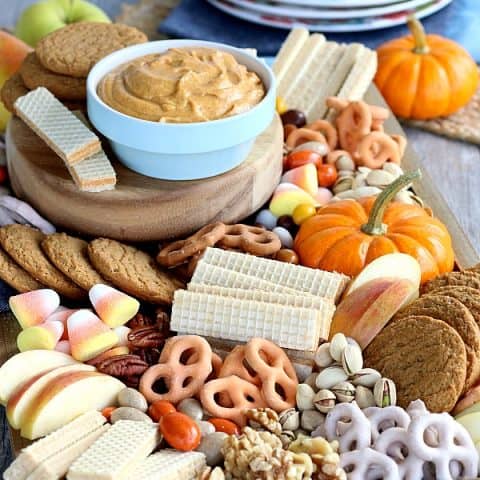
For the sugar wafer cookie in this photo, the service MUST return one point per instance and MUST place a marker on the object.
(302, 301)
(234, 319)
(288, 51)
(62, 131)
(308, 53)
(311, 82)
(213, 275)
(126, 444)
(294, 277)
(318, 108)
(31, 457)
(359, 79)
(172, 464)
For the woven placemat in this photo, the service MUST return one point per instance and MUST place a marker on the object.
(463, 125)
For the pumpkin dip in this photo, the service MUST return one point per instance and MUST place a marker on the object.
(182, 85)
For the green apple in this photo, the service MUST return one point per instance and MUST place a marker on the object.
(44, 17)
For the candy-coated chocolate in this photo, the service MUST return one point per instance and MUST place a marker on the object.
(302, 212)
(107, 412)
(287, 255)
(160, 408)
(281, 105)
(285, 221)
(267, 219)
(224, 425)
(302, 157)
(295, 117)
(180, 431)
(285, 237)
(327, 175)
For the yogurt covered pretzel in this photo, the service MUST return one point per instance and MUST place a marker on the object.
(275, 370)
(382, 419)
(347, 424)
(236, 364)
(236, 395)
(184, 377)
(367, 464)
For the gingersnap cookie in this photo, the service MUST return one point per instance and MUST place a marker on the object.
(133, 271)
(470, 297)
(64, 87)
(12, 89)
(455, 314)
(464, 279)
(424, 357)
(22, 243)
(73, 50)
(16, 276)
(70, 256)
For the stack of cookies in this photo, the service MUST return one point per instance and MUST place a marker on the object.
(63, 59)
(30, 260)
(431, 348)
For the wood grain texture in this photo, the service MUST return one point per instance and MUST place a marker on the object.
(141, 209)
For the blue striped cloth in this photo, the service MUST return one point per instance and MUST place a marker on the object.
(198, 20)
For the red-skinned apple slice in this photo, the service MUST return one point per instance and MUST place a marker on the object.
(66, 397)
(393, 265)
(26, 365)
(22, 398)
(363, 313)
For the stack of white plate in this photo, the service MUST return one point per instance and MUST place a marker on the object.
(330, 15)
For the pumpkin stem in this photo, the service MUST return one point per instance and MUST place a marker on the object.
(374, 226)
(418, 32)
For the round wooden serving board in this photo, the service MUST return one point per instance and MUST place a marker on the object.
(141, 208)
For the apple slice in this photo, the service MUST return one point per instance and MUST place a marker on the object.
(471, 422)
(471, 409)
(362, 314)
(23, 397)
(395, 265)
(66, 397)
(471, 397)
(26, 365)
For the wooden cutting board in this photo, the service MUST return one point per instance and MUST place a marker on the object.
(141, 208)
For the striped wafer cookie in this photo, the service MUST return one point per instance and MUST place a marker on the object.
(301, 301)
(169, 464)
(318, 108)
(240, 320)
(309, 52)
(294, 277)
(95, 173)
(212, 275)
(62, 131)
(359, 79)
(114, 455)
(311, 83)
(289, 50)
(31, 457)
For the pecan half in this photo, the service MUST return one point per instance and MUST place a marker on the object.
(123, 366)
(141, 320)
(146, 337)
(149, 355)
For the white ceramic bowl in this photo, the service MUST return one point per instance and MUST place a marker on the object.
(185, 151)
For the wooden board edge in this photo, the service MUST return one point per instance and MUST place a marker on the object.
(465, 253)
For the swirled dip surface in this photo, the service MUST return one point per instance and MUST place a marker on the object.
(182, 86)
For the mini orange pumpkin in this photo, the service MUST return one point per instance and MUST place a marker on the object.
(425, 76)
(347, 235)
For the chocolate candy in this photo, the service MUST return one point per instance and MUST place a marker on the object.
(295, 117)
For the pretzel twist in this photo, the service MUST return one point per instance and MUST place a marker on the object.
(303, 135)
(275, 370)
(236, 364)
(376, 148)
(355, 434)
(181, 251)
(382, 419)
(367, 464)
(240, 394)
(353, 123)
(327, 130)
(184, 377)
(249, 239)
